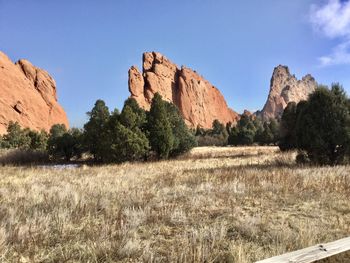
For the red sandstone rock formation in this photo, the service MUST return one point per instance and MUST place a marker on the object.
(28, 96)
(285, 88)
(199, 102)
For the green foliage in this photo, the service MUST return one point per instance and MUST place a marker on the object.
(95, 128)
(267, 135)
(218, 128)
(125, 144)
(275, 131)
(138, 115)
(250, 130)
(160, 131)
(287, 128)
(65, 144)
(123, 138)
(183, 138)
(38, 140)
(16, 137)
(323, 126)
(245, 136)
(233, 136)
(216, 136)
(243, 133)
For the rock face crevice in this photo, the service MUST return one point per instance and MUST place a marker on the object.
(199, 102)
(28, 96)
(285, 88)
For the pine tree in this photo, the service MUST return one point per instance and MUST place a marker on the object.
(287, 128)
(160, 133)
(95, 129)
(323, 126)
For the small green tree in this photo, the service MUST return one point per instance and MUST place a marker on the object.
(139, 113)
(56, 132)
(38, 140)
(287, 128)
(233, 136)
(245, 136)
(218, 128)
(16, 137)
(259, 135)
(125, 144)
(160, 133)
(274, 128)
(184, 140)
(243, 133)
(323, 126)
(267, 135)
(124, 140)
(63, 144)
(95, 128)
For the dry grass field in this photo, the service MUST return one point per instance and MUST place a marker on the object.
(212, 205)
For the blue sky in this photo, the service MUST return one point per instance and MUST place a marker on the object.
(88, 46)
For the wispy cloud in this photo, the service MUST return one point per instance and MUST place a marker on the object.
(332, 19)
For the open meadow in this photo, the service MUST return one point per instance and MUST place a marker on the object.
(238, 204)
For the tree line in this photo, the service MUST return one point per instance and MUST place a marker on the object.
(130, 135)
(318, 128)
(248, 130)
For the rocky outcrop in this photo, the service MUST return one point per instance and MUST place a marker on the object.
(199, 102)
(28, 96)
(285, 88)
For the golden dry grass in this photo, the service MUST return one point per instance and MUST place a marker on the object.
(212, 205)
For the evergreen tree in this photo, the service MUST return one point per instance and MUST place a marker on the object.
(287, 128)
(323, 126)
(274, 128)
(218, 128)
(125, 144)
(267, 135)
(38, 140)
(233, 136)
(95, 129)
(183, 138)
(16, 137)
(124, 139)
(65, 144)
(245, 136)
(140, 114)
(160, 132)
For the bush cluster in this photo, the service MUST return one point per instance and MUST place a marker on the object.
(25, 139)
(248, 130)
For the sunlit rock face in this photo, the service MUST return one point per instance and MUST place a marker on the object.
(285, 88)
(199, 102)
(28, 96)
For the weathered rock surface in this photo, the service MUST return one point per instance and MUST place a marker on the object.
(285, 88)
(28, 96)
(199, 102)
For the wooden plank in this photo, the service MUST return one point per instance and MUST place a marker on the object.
(313, 253)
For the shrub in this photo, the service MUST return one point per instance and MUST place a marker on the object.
(65, 144)
(16, 137)
(323, 126)
(123, 138)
